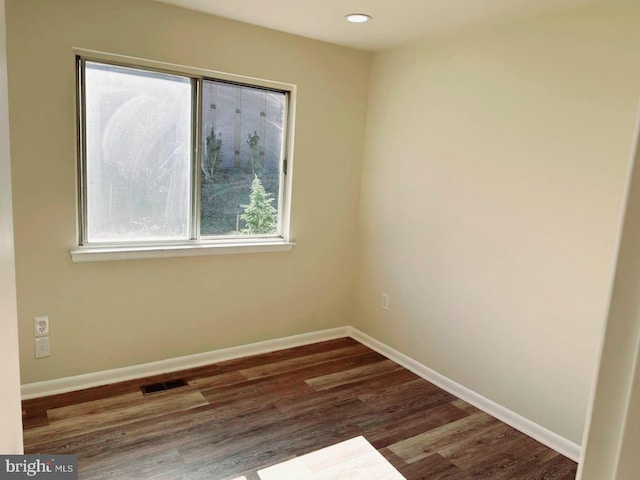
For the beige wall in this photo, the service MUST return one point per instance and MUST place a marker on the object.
(112, 314)
(492, 190)
(10, 417)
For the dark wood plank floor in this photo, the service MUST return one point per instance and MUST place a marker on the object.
(235, 417)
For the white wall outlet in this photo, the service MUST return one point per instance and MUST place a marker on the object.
(41, 326)
(42, 347)
(384, 301)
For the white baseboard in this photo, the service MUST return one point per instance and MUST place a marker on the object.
(524, 425)
(541, 434)
(106, 377)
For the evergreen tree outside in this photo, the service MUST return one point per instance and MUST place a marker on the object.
(260, 216)
(254, 145)
(213, 153)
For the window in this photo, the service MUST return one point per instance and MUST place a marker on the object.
(168, 158)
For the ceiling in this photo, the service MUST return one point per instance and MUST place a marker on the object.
(394, 21)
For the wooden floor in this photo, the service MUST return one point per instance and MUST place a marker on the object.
(236, 417)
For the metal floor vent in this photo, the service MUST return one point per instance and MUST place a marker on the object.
(159, 387)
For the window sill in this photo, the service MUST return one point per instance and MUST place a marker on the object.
(100, 254)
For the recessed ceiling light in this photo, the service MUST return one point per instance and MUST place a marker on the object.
(358, 17)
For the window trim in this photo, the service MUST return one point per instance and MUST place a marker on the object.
(196, 244)
(103, 253)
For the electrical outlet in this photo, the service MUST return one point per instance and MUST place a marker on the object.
(41, 326)
(42, 347)
(384, 301)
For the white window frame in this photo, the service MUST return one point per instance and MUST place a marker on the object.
(196, 245)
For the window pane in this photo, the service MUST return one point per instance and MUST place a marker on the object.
(138, 162)
(242, 144)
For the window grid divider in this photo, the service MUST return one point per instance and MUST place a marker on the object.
(196, 175)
